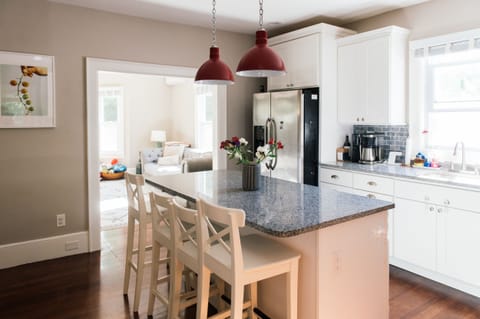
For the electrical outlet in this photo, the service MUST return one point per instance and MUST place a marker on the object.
(61, 220)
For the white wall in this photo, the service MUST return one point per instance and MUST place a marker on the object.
(182, 113)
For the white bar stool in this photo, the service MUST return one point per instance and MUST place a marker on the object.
(137, 213)
(186, 254)
(240, 261)
(161, 208)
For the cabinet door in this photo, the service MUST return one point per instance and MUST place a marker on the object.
(378, 105)
(458, 242)
(301, 57)
(387, 198)
(352, 83)
(415, 235)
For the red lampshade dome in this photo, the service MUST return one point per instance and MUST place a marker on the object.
(214, 71)
(261, 60)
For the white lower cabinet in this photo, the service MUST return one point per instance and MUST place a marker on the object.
(434, 230)
(430, 233)
(415, 233)
(458, 241)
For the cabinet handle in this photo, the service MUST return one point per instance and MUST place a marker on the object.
(372, 183)
(358, 119)
(334, 176)
(439, 210)
(432, 209)
(363, 119)
(446, 202)
(371, 196)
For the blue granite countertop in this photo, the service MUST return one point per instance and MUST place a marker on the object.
(279, 208)
(428, 175)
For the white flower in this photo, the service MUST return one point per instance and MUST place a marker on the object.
(243, 141)
(261, 149)
(237, 155)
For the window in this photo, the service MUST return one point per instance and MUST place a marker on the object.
(445, 95)
(205, 101)
(110, 106)
(453, 100)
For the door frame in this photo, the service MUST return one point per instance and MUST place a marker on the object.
(93, 66)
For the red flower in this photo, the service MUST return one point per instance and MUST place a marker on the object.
(279, 145)
(235, 139)
(270, 141)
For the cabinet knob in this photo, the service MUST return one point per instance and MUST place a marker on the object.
(431, 208)
(372, 183)
(446, 202)
(358, 119)
(371, 196)
(334, 176)
(439, 210)
(363, 119)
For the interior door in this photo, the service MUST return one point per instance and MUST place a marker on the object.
(286, 111)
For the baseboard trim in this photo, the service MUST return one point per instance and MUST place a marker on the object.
(15, 254)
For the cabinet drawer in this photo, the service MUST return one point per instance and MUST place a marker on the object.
(336, 177)
(438, 195)
(374, 184)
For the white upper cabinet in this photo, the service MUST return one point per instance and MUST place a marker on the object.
(304, 51)
(301, 58)
(371, 77)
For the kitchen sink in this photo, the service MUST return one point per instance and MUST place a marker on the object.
(469, 179)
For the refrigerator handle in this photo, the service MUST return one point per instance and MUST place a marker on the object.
(274, 140)
(265, 140)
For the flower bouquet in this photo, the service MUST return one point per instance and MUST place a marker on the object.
(237, 148)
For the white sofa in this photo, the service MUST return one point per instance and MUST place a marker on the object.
(175, 159)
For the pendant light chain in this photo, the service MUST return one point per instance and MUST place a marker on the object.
(260, 11)
(214, 24)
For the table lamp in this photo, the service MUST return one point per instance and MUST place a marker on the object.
(158, 137)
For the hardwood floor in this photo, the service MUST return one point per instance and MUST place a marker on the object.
(90, 286)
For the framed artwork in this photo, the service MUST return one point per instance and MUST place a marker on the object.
(26, 90)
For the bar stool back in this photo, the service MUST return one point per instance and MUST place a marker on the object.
(137, 213)
(240, 261)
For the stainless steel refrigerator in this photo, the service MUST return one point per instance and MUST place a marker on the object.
(292, 118)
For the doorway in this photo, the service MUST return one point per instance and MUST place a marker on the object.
(94, 66)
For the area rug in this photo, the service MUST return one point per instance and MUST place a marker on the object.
(114, 203)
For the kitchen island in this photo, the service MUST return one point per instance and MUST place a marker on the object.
(342, 238)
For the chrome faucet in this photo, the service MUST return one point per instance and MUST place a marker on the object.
(464, 166)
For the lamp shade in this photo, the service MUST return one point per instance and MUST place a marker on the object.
(261, 61)
(214, 71)
(158, 136)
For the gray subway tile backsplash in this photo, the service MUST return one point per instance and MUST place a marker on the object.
(395, 138)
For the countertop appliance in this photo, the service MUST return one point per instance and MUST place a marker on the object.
(292, 118)
(370, 150)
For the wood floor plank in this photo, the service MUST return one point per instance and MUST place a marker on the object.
(90, 286)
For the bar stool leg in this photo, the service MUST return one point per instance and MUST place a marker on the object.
(176, 271)
(142, 242)
(154, 276)
(237, 300)
(203, 293)
(252, 296)
(128, 257)
(292, 291)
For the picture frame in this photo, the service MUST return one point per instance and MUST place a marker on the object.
(27, 97)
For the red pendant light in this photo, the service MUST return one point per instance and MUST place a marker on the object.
(214, 71)
(261, 60)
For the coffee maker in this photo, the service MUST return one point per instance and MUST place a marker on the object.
(370, 151)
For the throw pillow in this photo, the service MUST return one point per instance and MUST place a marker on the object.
(171, 150)
(168, 160)
(150, 155)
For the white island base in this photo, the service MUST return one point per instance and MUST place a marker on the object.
(343, 274)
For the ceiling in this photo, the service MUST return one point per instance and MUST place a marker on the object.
(242, 16)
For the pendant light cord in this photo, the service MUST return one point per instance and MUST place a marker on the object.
(214, 24)
(260, 14)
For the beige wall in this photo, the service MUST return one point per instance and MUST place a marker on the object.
(182, 114)
(44, 171)
(428, 19)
